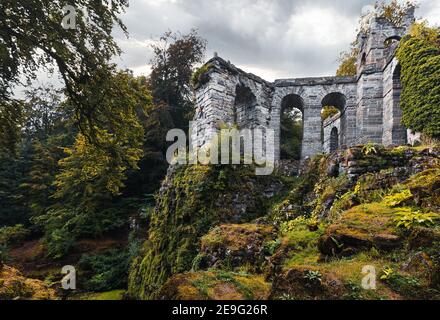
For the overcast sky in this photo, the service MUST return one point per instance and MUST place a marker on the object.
(271, 38)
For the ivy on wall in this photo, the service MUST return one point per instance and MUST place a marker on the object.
(419, 56)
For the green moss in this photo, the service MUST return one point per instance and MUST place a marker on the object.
(296, 202)
(426, 188)
(102, 296)
(194, 202)
(302, 240)
(236, 236)
(200, 76)
(215, 285)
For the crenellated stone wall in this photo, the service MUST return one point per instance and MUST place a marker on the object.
(368, 103)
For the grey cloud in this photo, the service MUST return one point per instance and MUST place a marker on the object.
(282, 38)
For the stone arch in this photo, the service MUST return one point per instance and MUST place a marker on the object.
(291, 133)
(244, 106)
(339, 101)
(336, 99)
(334, 140)
(392, 39)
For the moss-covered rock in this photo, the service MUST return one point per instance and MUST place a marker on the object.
(235, 245)
(361, 228)
(13, 285)
(192, 200)
(425, 187)
(215, 285)
(306, 282)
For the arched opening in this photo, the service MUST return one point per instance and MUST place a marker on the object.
(390, 45)
(332, 114)
(364, 59)
(393, 40)
(292, 127)
(245, 102)
(334, 140)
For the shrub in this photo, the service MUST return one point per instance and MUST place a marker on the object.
(13, 235)
(397, 199)
(409, 219)
(200, 76)
(105, 272)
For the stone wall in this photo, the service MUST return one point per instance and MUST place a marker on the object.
(368, 103)
(332, 124)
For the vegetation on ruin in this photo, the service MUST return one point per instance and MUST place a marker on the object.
(419, 57)
(84, 181)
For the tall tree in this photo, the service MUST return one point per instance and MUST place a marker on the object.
(32, 36)
(90, 177)
(347, 66)
(172, 67)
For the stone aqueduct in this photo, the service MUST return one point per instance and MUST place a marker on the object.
(368, 102)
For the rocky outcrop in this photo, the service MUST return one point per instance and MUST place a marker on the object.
(307, 283)
(192, 200)
(233, 246)
(360, 229)
(214, 285)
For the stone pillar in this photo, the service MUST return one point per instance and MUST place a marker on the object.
(312, 142)
(394, 133)
(214, 106)
(370, 108)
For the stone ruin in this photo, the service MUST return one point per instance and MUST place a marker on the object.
(368, 102)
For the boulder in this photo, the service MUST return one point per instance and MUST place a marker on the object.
(307, 283)
(14, 286)
(233, 245)
(423, 238)
(214, 285)
(360, 229)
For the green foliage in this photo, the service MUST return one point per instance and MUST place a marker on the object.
(58, 241)
(13, 235)
(185, 212)
(369, 149)
(13, 171)
(172, 68)
(387, 273)
(397, 199)
(32, 37)
(329, 111)
(409, 218)
(11, 118)
(407, 285)
(271, 247)
(347, 64)
(419, 56)
(291, 134)
(313, 276)
(393, 11)
(88, 183)
(106, 271)
(200, 76)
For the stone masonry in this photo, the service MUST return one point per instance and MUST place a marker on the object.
(368, 102)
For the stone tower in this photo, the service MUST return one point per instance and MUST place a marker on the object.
(378, 113)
